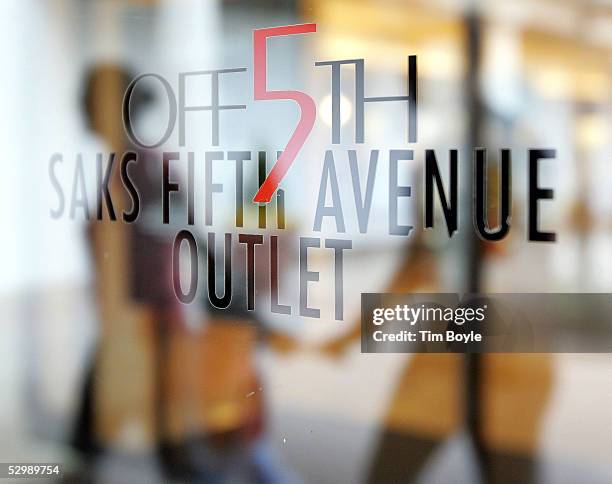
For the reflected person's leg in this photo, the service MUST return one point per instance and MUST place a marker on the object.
(400, 458)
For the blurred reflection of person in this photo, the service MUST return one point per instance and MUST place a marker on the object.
(195, 395)
(133, 283)
(427, 404)
(231, 409)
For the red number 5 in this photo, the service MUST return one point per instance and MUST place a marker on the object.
(306, 103)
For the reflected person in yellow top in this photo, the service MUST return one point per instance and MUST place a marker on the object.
(427, 404)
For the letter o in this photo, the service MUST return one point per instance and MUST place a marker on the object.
(185, 298)
(127, 124)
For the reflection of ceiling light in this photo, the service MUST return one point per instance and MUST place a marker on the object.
(591, 131)
(553, 82)
(440, 60)
(564, 82)
(325, 109)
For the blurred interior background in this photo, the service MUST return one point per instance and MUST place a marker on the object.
(297, 399)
